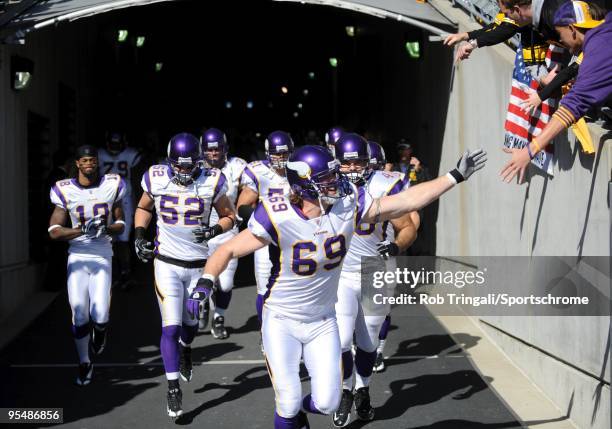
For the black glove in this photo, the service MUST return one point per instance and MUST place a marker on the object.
(144, 248)
(244, 214)
(205, 233)
(468, 164)
(387, 249)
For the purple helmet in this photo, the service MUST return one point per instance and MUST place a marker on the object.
(314, 173)
(352, 147)
(184, 156)
(213, 140)
(377, 156)
(332, 137)
(279, 144)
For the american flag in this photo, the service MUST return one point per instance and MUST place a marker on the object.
(520, 126)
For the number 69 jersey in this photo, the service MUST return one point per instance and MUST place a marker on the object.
(306, 253)
(181, 208)
(82, 204)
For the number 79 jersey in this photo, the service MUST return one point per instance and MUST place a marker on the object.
(306, 254)
(180, 209)
(82, 204)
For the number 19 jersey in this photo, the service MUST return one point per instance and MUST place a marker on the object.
(180, 208)
(306, 253)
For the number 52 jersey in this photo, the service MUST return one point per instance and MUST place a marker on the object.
(306, 254)
(181, 208)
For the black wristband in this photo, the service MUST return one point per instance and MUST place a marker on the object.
(456, 175)
(245, 212)
(139, 232)
(217, 229)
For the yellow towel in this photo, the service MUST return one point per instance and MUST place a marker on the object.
(581, 130)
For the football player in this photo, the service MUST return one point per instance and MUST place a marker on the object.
(262, 179)
(120, 159)
(353, 153)
(183, 196)
(332, 136)
(92, 203)
(215, 147)
(309, 233)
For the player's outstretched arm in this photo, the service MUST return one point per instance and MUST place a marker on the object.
(405, 230)
(57, 230)
(419, 196)
(241, 245)
(247, 200)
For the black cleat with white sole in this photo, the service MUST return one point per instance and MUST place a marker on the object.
(218, 328)
(342, 416)
(175, 403)
(85, 372)
(362, 404)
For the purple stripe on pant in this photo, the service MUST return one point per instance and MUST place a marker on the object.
(169, 347)
(259, 305)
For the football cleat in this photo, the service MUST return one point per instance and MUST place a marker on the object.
(85, 371)
(379, 363)
(175, 403)
(218, 328)
(342, 416)
(362, 404)
(185, 363)
(203, 320)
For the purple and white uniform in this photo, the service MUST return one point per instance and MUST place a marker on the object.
(178, 210)
(89, 259)
(350, 314)
(299, 315)
(233, 171)
(261, 178)
(122, 164)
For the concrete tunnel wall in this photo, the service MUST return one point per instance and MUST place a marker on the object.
(567, 215)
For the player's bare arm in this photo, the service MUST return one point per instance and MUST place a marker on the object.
(57, 230)
(227, 213)
(416, 197)
(118, 225)
(241, 245)
(405, 231)
(144, 211)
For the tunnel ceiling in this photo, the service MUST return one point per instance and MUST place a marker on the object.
(29, 15)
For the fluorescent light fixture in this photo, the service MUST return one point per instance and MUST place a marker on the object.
(228, 104)
(300, 106)
(159, 67)
(311, 75)
(296, 114)
(22, 70)
(413, 49)
(249, 104)
(140, 41)
(333, 62)
(284, 89)
(350, 30)
(305, 92)
(122, 36)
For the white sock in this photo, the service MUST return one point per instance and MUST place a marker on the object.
(381, 346)
(172, 375)
(82, 346)
(348, 384)
(218, 312)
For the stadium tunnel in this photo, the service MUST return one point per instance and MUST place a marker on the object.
(248, 67)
